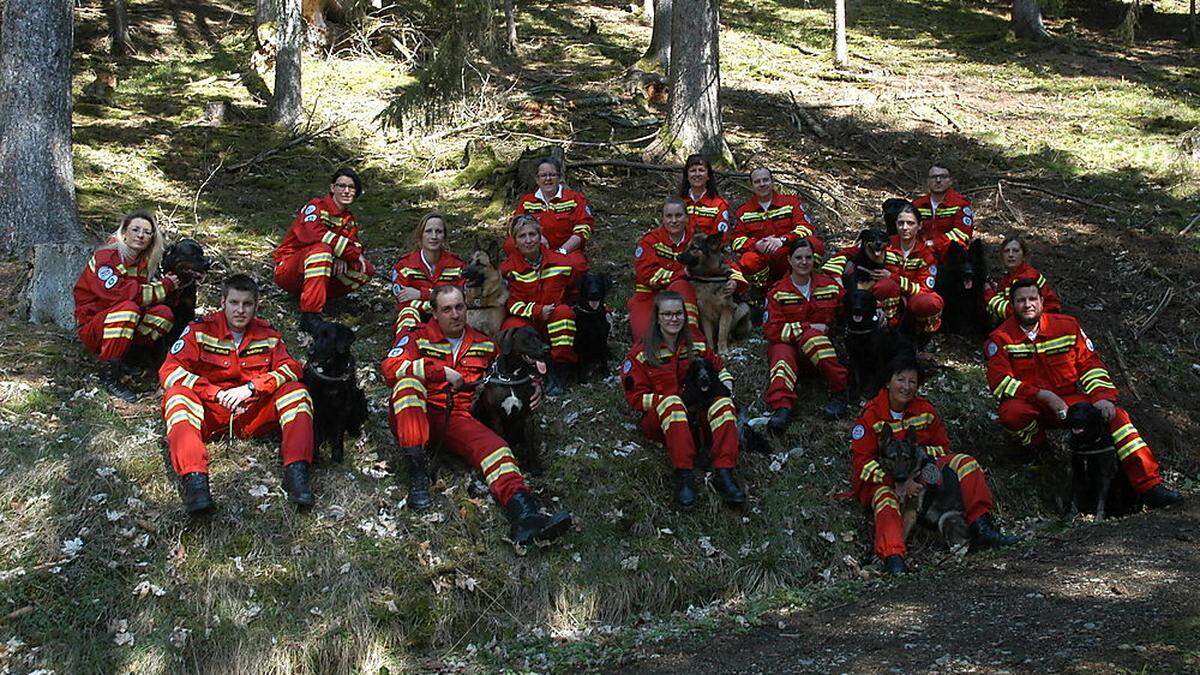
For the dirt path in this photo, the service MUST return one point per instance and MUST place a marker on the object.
(1110, 598)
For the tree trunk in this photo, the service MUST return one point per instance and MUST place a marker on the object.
(841, 55)
(1027, 20)
(265, 11)
(37, 180)
(286, 102)
(658, 55)
(510, 25)
(694, 117)
(118, 28)
(1193, 32)
(56, 267)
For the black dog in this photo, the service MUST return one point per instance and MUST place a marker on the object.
(504, 401)
(591, 324)
(339, 405)
(870, 343)
(700, 388)
(1098, 485)
(940, 505)
(960, 281)
(872, 248)
(185, 259)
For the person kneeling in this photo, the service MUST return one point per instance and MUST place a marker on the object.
(231, 371)
(675, 380)
(432, 370)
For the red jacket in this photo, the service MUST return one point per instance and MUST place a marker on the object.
(709, 214)
(997, 300)
(411, 271)
(789, 313)
(954, 220)
(785, 217)
(1061, 358)
(205, 359)
(107, 281)
(915, 272)
(920, 423)
(532, 288)
(321, 221)
(646, 385)
(567, 213)
(655, 263)
(424, 353)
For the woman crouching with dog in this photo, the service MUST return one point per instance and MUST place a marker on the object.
(1015, 256)
(898, 413)
(416, 274)
(117, 305)
(676, 382)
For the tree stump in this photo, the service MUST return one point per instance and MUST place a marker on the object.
(56, 267)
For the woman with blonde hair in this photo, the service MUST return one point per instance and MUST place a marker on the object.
(119, 304)
(416, 274)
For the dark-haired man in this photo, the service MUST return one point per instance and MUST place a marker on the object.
(230, 371)
(946, 215)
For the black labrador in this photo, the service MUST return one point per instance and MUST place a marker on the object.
(1098, 485)
(940, 505)
(507, 393)
(591, 324)
(339, 405)
(700, 388)
(960, 281)
(870, 343)
(186, 260)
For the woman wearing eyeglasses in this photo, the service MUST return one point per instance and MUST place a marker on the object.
(565, 215)
(321, 257)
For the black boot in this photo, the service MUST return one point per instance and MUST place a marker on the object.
(728, 487)
(111, 373)
(309, 321)
(894, 564)
(295, 482)
(528, 524)
(985, 534)
(194, 492)
(780, 419)
(685, 492)
(418, 477)
(836, 407)
(556, 380)
(1159, 496)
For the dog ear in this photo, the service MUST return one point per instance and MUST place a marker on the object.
(346, 338)
(505, 338)
(884, 435)
(606, 282)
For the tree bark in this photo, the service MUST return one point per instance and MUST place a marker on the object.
(1027, 20)
(118, 28)
(658, 54)
(841, 55)
(37, 179)
(1193, 32)
(510, 25)
(265, 11)
(286, 102)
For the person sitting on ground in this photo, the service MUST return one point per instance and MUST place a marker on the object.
(707, 210)
(653, 376)
(117, 306)
(435, 366)
(321, 257)
(1015, 255)
(538, 281)
(1038, 365)
(231, 372)
(915, 268)
(764, 226)
(913, 418)
(564, 214)
(946, 215)
(800, 310)
(415, 275)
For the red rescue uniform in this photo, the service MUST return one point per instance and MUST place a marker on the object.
(921, 424)
(907, 295)
(783, 217)
(1062, 359)
(953, 221)
(414, 271)
(415, 369)
(656, 267)
(997, 299)
(205, 361)
(531, 288)
(654, 392)
(321, 233)
(117, 306)
(709, 214)
(565, 214)
(789, 328)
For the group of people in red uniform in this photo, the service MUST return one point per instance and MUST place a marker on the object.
(230, 371)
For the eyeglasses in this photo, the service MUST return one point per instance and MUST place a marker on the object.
(343, 186)
(671, 315)
(547, 175)
(939, 176)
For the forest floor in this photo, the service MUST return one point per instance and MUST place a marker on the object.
(1076, 145)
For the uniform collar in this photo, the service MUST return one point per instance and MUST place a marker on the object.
(332, 207)
(557, 195)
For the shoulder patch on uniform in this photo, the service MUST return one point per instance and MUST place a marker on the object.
(766, 316)
(637, 252)
(309, 219)
(967, 220)
(396, 351)
(311, 208)
(186, 329)
(933, 269)
(105, 273)
(110, 282)
(177, 347)
(723, 227)
(858, 432)
(968, 211)
(627, 366)
(588, 209)
(403, 341)
(990, 349)
(930, 281)
(1087, 341)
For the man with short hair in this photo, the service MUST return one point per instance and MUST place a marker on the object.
(434, 367)
(946, 215)
(765, 225)
(1038, 365)
(230, 372)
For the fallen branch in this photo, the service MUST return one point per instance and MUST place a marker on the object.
(589, 144)
(196, 199)
(801, 115)
(1121, 364)
(306, 137)
(499, 117)
(1062, 195)
(953, 122)
(1185, 230)
(1017, 215)
(1145, 324)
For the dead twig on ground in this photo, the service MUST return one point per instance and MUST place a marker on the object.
(1017, 215)
(1188, 227)
(953, 122)
(588, 144)
(499, 117)
(802, 118)
(1121, 364)
(306, 137)
(196, 198)
(17, 614)
(1061, 195)
(1145, 324)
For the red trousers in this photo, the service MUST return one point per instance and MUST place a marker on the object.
(192, 419)
(310, 273)
(641, 308)
(667, 423)
(559, 330)
(110, 334)
(889, 524)
(819, 356)
(764, 269)
(414, 423)
(1028, 421)
(922, 312)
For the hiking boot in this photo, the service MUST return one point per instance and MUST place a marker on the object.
(895, 565)
(418, 477)
(839, 401)
(985, 534)
(529, 524)
(1160, 496)
(780, 419)
(309, 321)
(111, 374)
(296, 483)
(685, 492)
(194, 492)
(730, 492)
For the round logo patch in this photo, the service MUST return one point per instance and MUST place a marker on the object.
(967, 220)
(588, 209)
(177, 347)
(403, 341)
(627, 366)
(309, 219)
(933, 269)
(186, 329)
(1087, 341)
(105, 273)
(929, 281)
(110, 282)
(991, 349)
(968, 212)
(311, 208)
(723, 227)
(396, 351)
(637, 252)
(858, 432)
(766, 316)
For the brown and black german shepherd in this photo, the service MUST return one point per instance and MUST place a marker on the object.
(484, 289)
(721, 315)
